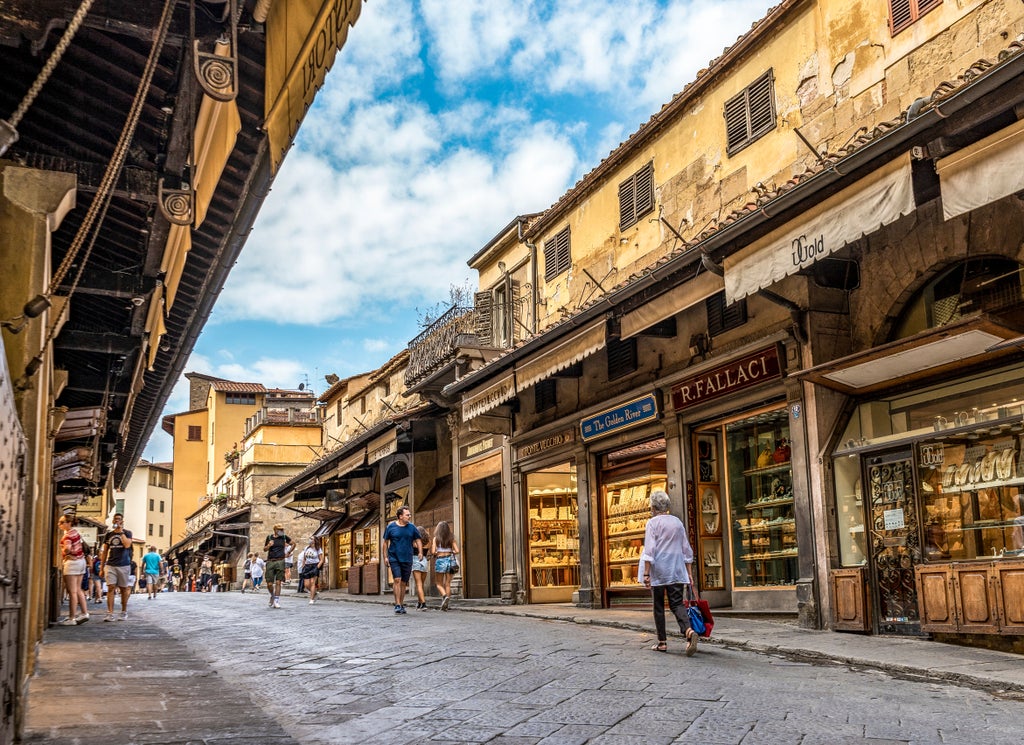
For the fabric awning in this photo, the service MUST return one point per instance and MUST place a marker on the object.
(676, 300)
(352, 462)
(922, 355)
(383, 446)
(861, 208)
(582, 344)
(988, 170)
(495, 394)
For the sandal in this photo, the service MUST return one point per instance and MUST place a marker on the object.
(660, 647)
(691, 642)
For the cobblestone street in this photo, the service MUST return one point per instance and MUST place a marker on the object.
(225, 668)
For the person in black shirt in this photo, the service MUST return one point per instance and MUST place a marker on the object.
(277, 546)
(116, 563)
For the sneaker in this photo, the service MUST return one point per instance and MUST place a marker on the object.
(691, 643)
(398, 609)
(123, 616)
(68, 622)
(271, 603)
(444, 603)
(401, 609)
(82, 618)
(277, 604)
(421, 606)
(312, 602)
(109, 617)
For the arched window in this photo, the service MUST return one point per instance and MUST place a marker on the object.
(397, 472)
(988, 284)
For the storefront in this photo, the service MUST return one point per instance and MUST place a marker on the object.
(551, 509)
(740, 489)
(630, 464)
(482, 519)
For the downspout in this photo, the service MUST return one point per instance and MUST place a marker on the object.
(534, 291)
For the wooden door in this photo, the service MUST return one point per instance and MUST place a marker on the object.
(1008, 585)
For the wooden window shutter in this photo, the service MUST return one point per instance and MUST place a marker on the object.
(557, 256)
(750, 113)
(636, 196)
(722, 318)
(515, 311)
(483, 306)
(622, 359)
(904, 13)
(762, 108)
(545, 395)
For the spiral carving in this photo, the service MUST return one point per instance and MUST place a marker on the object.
(176, 204)
(217, 73)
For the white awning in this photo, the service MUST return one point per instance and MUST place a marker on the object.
(674, 301)
(383, 446)
(988, 170)
(486, 399)
(861, 208)
(352, 462)
(568, 352)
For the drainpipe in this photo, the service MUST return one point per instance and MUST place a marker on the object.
(534, 290)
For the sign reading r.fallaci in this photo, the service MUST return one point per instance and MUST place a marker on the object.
(629, 414)
(747, 371)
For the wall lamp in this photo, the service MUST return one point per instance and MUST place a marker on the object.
(33, 308)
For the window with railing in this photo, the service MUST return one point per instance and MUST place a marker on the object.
(436, 345)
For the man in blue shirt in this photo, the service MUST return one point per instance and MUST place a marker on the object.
(152, 565)
(116, 564)
(401, 539)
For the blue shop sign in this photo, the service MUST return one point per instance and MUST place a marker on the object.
(630, 414)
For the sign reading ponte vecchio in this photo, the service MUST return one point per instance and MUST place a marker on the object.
(753, 369)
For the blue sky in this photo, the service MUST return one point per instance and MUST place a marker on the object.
(440, 121)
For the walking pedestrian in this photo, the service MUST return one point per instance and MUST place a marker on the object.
(312, 560)
(278, 547)
(176, 576)
(420, 568)
(72, 552)
(445, 549)
(116, 564)
(401, 541)
(289, 565)
(666, 570)
(151, 569)
(247, 568)
(256, 568)
(205, 574)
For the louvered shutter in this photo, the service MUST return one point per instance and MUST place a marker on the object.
(627, 198)
(483, 306)
(557, 256)
(621, 357)
(515, 311)
(901, 15)
(736, 121)
(644, 190)
(762, 107)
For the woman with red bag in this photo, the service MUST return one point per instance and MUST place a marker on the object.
(666, 566)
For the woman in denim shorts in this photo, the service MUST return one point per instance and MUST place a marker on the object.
(445, 549)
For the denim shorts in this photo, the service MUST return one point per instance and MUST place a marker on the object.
(419, 564)
(401, 570)
(443, 565)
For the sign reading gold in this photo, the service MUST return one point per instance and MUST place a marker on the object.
(303, 37)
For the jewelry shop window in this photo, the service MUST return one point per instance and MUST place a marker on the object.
(760, 478)
(554, 544)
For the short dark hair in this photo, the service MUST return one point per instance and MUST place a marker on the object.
(402, 509)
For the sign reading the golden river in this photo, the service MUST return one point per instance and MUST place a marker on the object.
(303, 37)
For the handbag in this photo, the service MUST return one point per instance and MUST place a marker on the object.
(699, 606)
(453, 564)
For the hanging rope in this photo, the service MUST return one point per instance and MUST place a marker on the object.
(105, 192)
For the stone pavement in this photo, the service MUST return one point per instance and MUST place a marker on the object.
(910, 657)
(169, 693)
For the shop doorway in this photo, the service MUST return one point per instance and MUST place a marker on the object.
(894, 544)
(481, 538)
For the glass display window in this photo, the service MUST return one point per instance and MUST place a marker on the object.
(853, 547)
(708, 548)
(760, 485)
(553, 539)
(627, 479)
(343, 556)
(365, 545)
(972, 493)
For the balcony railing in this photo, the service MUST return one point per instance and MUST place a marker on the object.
(436, 345)
(219, 505)
(282, 416)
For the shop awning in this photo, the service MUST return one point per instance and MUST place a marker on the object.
(582, 344)
(497, 393)
(859, 209)
(676, 300)
(383, 446)
(923, 355)
(988, 170)
(352, 462)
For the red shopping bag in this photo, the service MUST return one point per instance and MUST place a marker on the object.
(705, 610)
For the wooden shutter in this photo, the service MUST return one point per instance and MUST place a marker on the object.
(636, 196)
(762, 107)
(722, 318)
(515, 312)
(545, 394)
(483, 306)
(627, 198)
(750, 113)
(901, 15)
(736, 121)
(557, 256)
(622, 358)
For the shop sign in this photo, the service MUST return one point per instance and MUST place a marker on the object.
(753, 369)
(382, 447)
(478, 447)
(548, 443)
(630, 414)
(893, 519)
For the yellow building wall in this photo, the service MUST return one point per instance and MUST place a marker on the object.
(226, 428)
(837, 70)
(189, 487)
